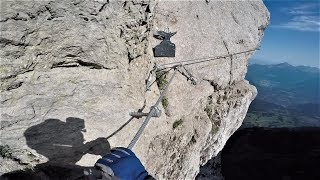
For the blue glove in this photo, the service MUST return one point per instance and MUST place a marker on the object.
(122, 163)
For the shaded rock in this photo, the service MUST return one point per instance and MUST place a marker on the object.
(272, 153)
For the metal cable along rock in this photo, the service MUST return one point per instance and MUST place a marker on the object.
(177, 66)
(152, 111)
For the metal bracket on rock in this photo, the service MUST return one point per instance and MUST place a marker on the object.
(149, 81)
(155, 112)
(166, 48)
(182, 70)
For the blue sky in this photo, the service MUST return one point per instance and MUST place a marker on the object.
(293, 33)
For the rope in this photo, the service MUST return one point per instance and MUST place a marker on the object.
(146, 121)
(196, 61)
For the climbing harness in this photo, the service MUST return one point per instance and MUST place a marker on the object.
(177, 66)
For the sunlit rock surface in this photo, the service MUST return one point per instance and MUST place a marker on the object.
(72, 71)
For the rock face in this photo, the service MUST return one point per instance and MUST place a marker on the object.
(71, 71)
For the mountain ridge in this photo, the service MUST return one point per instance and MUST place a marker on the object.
(288, 96)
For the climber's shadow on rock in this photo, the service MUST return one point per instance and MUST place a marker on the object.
(63, 144)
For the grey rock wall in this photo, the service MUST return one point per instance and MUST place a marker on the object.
(71, 71)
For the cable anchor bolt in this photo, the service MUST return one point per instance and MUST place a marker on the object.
(154, 111)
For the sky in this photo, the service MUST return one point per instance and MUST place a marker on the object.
(293, 33)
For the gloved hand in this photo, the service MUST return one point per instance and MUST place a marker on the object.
(122, 163)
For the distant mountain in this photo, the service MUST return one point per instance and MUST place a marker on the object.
(308, 69)
(288, 96)
(258, 61)
(285, 84)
